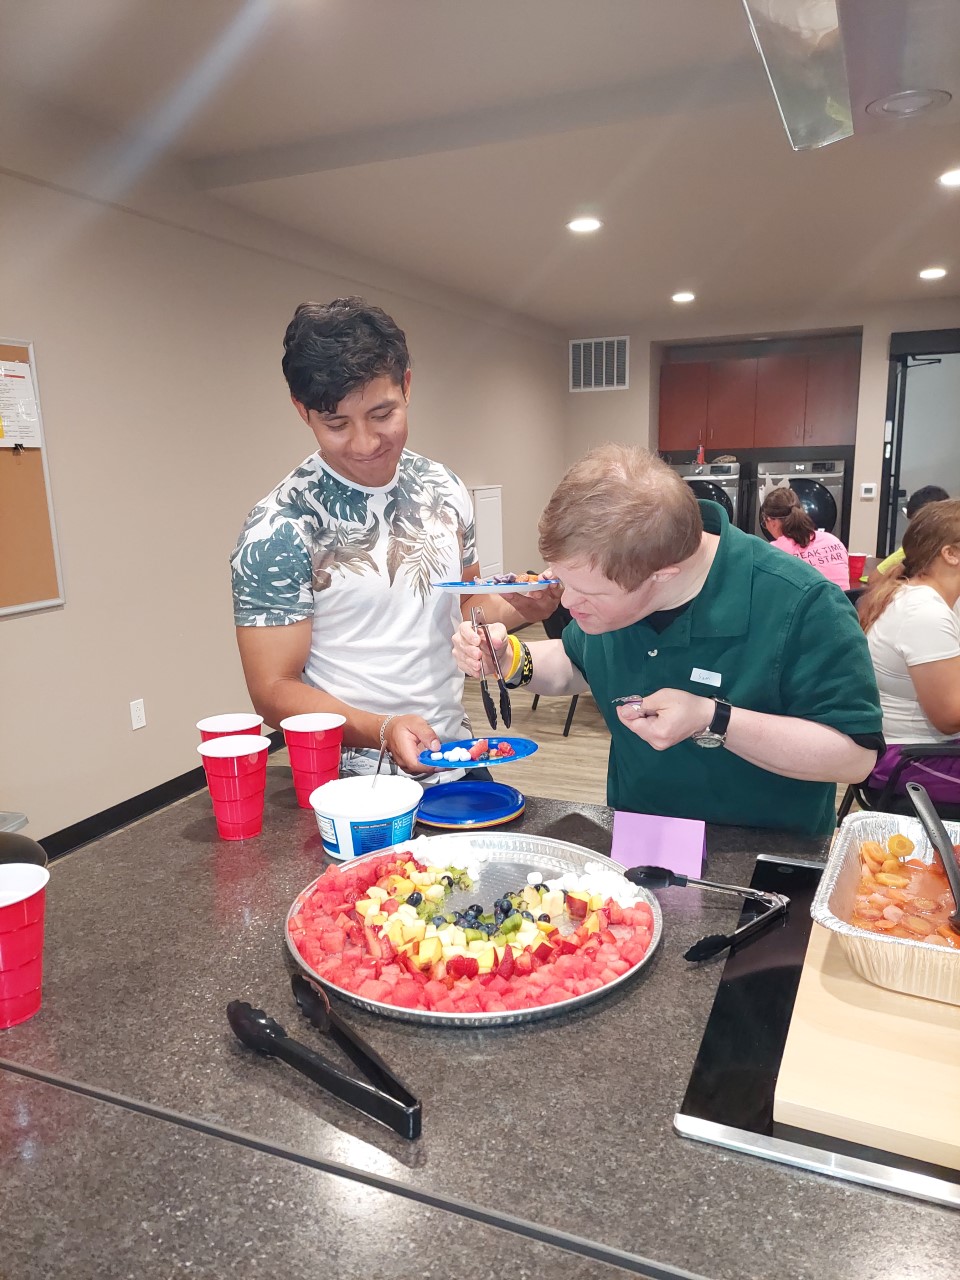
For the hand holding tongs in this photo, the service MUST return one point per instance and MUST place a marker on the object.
(481, 627)
(385, 1098)
(714, 943)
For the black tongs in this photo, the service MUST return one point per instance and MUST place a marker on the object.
(714, 943)
(385, 1098)
(480, 626)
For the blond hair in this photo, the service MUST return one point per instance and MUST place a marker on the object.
(623, 511)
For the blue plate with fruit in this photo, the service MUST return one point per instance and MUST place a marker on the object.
(478, 753)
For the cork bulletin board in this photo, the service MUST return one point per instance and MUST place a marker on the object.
(30, 575)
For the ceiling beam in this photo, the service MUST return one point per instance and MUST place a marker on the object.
(698, 89)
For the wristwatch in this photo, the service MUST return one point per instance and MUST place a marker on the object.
(715, 733)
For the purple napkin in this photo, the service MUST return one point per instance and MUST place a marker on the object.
(643, 839)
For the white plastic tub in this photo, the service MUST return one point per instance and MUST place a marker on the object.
(356, 817)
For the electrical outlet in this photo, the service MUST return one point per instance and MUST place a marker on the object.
(138, 717)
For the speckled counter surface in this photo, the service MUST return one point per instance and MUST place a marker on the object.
(91, 1191)
(565, 1122)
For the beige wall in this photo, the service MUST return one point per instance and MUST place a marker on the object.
(157, 346)
(593, 417)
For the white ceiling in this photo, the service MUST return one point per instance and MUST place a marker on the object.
(455, 138)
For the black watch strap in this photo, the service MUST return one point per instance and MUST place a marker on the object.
(721, 718)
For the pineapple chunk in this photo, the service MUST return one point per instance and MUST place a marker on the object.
(376, 892)
(394, 931)
(434, 893)
(413, 931)
(486, 957)
(363, 905)
(596, 902)
(428, 953)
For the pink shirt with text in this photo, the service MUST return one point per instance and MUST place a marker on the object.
(825, 552)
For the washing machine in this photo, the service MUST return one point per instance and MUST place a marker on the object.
(718, 481)
(818, 484)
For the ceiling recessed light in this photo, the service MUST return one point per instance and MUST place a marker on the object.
(684, 296)
(950, 179)
(908, 103)
(933, 273)
(583, 225)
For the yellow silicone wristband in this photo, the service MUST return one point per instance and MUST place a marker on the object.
(516, 657)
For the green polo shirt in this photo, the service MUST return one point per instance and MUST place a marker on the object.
(766, 632)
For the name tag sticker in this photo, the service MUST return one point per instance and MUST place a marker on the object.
(705, 677)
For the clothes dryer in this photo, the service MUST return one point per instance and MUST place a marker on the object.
(718, 481)
(818, 484)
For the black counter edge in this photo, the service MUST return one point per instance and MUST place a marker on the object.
(127, 811)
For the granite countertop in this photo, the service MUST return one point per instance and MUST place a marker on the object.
(564, 1122)
(96, 1192)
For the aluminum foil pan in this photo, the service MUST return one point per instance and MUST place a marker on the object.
(915, 968)
(508, 861)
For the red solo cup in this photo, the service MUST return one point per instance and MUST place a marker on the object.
(313, 740)
(229, 724)
(236, 768)
(857, 566)
(22, 903)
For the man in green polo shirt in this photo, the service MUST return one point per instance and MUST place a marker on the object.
(751, 690)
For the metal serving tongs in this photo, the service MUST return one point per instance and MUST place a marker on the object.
(386, 1098)
(714, 943)
(481, 627)
(942, 844)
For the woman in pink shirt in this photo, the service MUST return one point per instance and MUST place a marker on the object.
(792, 530)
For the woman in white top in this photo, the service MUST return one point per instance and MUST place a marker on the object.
(913, 633)
(792, 530)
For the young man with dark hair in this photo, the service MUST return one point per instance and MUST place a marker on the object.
(735, 680)
(332, 573)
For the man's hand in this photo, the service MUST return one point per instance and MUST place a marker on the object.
(534, 606)
(667, 717)
(471, 653)
(406, 737)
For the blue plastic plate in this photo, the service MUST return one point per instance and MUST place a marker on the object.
(522, 747)
(492, 588)
(469, 804)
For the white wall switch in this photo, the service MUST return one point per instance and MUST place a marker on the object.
(868, 492)
(138, 717)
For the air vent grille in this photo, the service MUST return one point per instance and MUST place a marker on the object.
(599, 364)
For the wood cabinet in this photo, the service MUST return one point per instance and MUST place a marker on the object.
(833, 388)
(683, 406)
(781, 401)
(731, 404)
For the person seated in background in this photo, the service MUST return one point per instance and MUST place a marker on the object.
(916, 502)
(792, 530)
(332, 573)
(913, 633)
(751, 683)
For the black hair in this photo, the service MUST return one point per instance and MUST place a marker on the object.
(332, 349)
(920, 498)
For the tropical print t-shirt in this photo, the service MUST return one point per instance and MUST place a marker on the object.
(359, 562)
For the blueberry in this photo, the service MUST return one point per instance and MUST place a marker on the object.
(544, 917)
(541, 888)
(414, 899)
(526, 915)
(439, 920)
(476, 909)
(447, 880)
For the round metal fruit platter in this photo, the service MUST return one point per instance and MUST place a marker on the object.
(504, 861)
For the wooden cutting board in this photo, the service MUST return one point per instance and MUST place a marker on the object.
(870, 1065)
